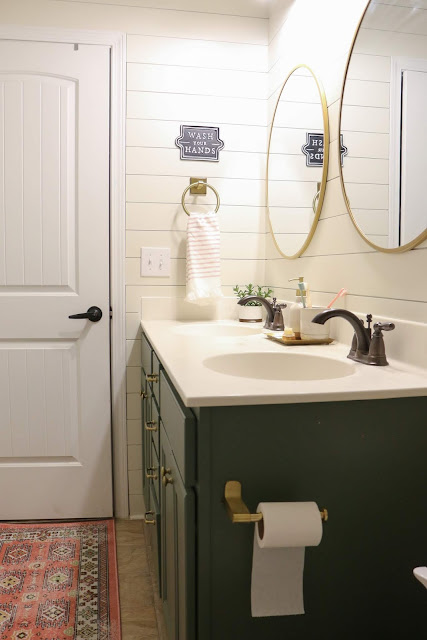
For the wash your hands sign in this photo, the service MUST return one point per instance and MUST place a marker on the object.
(199, 143)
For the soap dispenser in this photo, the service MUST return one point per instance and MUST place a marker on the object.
(294, 315)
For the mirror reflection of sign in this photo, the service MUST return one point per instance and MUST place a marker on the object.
(313, 150)
(199, 143)
(343, 150)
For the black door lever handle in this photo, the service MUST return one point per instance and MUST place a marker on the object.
(94, 314)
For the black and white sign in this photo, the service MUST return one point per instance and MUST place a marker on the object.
(343, 149)
(313, 150)
(199, 143)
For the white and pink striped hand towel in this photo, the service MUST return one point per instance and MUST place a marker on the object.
(203, 258)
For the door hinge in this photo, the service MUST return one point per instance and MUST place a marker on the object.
(76, 47)
(111, 312)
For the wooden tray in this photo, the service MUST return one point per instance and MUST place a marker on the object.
(300, 341)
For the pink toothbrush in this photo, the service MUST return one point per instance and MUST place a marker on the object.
(340, 293)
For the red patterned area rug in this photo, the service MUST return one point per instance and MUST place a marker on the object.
(58, 581)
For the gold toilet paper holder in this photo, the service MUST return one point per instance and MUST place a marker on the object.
(237, 509)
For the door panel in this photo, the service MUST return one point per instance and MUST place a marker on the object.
(38, 384)
(178, 518)
(414, 163)
(37, 138)
(55, 431)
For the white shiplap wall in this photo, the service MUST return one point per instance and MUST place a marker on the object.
(189, 62)
(193, 80)
(387, 285)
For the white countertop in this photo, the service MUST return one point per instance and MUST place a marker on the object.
(184, 356)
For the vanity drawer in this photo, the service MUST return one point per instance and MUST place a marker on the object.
(152, 374)
(156, 378)
(154, 471)
(179, 424)
(147, 404)
(153, 426)
(146, 355)
(153, 533)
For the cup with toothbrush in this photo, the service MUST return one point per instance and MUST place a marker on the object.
(309, 330)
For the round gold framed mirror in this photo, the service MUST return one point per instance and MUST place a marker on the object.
(297, 161)
(382, 126)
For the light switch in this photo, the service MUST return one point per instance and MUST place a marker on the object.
(155, 262)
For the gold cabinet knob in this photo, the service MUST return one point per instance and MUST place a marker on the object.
(143, 395)
(147, 518)
(164, 471)
(151, 473)
(151, 425)
(152, 377)
(167, 480)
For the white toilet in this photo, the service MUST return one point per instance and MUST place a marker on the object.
(421, 574)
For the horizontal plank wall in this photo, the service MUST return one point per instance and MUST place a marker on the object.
(386, 285)
(189, 62)
(196, 79)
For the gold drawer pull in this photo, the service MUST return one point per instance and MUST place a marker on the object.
(147, 520)
(152, 377)
(167, 480)
(151, 425)
(149, 473)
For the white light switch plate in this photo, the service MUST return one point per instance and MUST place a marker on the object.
(155, 262)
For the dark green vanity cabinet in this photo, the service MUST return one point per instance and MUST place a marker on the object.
(365, 461)
(169, 481)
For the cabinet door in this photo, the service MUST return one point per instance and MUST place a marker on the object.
(178, 548)
(152, 530)
(146, 442)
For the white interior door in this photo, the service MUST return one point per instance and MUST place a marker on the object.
(55, 432)
(413, 217)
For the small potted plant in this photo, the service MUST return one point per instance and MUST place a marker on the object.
(252, 311)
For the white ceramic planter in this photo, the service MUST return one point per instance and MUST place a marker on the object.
(250, 314)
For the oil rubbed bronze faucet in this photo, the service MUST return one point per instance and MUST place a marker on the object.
(274, 320)
(365, 348)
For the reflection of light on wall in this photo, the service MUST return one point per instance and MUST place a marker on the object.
(309, 30)
(318, 33)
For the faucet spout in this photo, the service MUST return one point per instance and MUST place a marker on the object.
(363, 341)
(269, 307)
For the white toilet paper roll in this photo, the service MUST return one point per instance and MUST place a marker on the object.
(289, 524)
(278, 558)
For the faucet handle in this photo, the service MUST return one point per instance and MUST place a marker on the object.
(278, 306)
(377, 349)
(383, 326)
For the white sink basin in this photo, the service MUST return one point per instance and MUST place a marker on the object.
(280, 366)
(217, 330)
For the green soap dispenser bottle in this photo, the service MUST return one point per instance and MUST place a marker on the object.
(294, 314)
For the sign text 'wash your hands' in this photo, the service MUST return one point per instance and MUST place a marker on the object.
(199, 143)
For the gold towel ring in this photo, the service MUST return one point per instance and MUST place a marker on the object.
(315, 201)
(195, 184)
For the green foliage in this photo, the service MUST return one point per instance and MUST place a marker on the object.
(252, 290)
